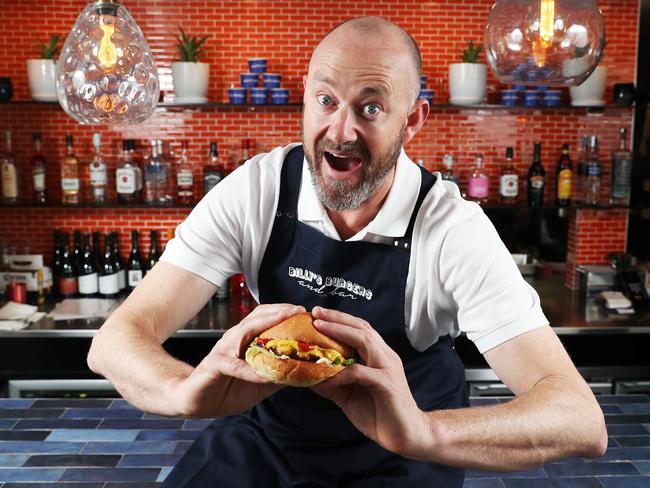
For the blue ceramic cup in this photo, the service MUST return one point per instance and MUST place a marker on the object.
(552, 98)
(531, 98)
(271, 80)
(279, 96)
(423, 82)
(249, 80)
(258, 96)
(509, 98)
(237, 96)
(427, 95)
(257, 65)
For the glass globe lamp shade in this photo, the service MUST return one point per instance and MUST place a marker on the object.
(106, 73)
(549, 42)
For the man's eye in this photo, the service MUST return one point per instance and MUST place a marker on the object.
(372, 109)
(325, 100)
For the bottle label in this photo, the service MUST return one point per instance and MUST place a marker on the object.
(135, 277)
(88, 284)
(9, 181)
(109, 284)
(564, 184)
(70, 184)
(537, 182)
(67, 286)
(509, 185)
(593, 169)
(621, 173)
(38, 177)
(478, 187)
(210, 181)
(126, 179)
(184, 177)
(98, 174)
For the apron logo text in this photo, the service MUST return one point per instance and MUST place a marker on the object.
(329, 285)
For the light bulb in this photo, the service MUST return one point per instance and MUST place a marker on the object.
(106, 73)
(550, 42)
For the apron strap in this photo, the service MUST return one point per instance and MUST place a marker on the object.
(290, 178)
(426, 184)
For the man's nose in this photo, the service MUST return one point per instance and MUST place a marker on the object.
(343, 127)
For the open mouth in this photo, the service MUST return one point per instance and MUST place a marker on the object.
(342, 162)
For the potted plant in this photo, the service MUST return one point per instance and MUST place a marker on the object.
(189, 74)
(41, 73)
(467, 79)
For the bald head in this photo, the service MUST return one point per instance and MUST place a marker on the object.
(374, 30)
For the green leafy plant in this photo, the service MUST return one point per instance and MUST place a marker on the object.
(471, 54)
(49, 50)
(189, 46)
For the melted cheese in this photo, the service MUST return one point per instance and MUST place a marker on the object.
(289, 347)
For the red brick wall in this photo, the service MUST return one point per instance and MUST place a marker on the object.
(285, 32)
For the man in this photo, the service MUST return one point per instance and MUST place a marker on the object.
(405, 264)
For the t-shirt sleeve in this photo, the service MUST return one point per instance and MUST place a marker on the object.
(494, 302)
(208, 242)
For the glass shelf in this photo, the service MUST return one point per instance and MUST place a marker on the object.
(172, 106)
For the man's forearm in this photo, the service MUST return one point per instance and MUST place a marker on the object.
(138, 367)
(552, 421)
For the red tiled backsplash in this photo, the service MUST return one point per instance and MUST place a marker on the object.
(285, 32)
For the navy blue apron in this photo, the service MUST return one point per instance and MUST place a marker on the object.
(296, 438)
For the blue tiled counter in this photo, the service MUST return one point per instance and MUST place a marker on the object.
(94, 443)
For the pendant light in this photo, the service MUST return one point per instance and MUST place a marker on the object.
(544, 42)
(106, 73)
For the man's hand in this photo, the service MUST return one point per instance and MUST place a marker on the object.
(375, 396)
(223, 383)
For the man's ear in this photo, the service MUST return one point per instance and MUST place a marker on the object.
(415, 119)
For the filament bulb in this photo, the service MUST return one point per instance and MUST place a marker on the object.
(547, 21)
(107, 53)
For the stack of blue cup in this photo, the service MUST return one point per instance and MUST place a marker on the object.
(425, 93)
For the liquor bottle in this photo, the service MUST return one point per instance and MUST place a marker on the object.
(581, 171)
(56, 260)
(184, 177)
(39, 171)
(213, 171)
(448, 173)
(128, 176)
(169, 158)
(70, 183)
(592, 187)
(509, 180)
(68, 285)
(135, 265)
(153, 257)
(245, 149)
(109, 286)
(155, 177)
(621, 172)
(98, 178)
(97, 252)
(10, 174)
(479, 183)
(564, 178)
(117, 261)
(88, 277)
(536, 178)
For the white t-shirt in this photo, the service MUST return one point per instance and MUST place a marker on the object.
(461, 276)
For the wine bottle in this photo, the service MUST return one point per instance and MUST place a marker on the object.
(135, 265)
(117, 261)
(536, 179)
(153, 257)
(88, 278)
(68, 285)
(56, 260)
(109, 286)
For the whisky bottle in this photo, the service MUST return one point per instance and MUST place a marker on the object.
(70, 183)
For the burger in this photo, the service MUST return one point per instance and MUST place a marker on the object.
(295, 353)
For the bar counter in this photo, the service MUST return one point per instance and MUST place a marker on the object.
(602, 345)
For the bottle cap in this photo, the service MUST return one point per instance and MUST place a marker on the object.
(510, 153)
(448, 160)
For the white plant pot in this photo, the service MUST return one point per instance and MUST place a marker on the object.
(467, 83)
(41, 74)
(191, 81)
(592, 91)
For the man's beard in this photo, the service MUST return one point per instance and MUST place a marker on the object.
(349, 194)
